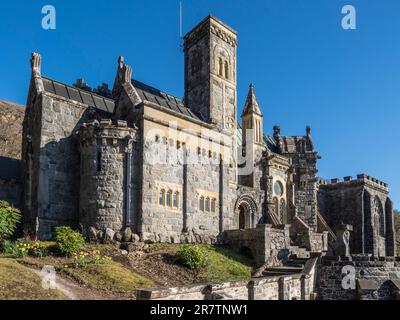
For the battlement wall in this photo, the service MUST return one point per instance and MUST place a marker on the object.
(358, 277)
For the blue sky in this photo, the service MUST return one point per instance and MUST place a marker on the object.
(305, 67)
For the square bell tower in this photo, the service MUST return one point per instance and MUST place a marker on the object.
(210, 73)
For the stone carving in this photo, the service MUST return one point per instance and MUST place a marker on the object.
(343, 240)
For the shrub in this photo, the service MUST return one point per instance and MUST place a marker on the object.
(8, 247)
(9, 218)
(193, 256)
(68, 241)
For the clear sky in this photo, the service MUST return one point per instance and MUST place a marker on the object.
(306, 69)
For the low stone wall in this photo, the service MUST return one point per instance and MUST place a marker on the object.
(289, 287)
(264, 241)
(373, 278)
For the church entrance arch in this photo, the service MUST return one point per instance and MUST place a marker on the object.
(246, 210)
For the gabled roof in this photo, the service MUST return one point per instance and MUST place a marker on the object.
(73, 93)
(251, 105)
(105, 104)
(162, 99)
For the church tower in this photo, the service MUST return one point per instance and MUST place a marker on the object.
(210, 73)
(252, 140)
(252, 119)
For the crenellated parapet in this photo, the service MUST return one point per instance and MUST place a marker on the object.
(348, 181)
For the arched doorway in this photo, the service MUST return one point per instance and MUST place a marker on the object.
(244, 217)
(246, 210)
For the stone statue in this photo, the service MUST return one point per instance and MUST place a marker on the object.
(343, 240)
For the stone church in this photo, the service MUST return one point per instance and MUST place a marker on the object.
(185, 170)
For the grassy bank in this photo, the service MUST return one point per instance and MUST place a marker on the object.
(18, 282)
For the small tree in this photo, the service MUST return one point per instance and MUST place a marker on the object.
(9, 219)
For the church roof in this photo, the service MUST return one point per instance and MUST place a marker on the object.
(271, 144)
(106, 104)
(162, 99)
(251, 105)
(83, 96)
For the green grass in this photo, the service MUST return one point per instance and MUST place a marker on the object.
(111, 276)
(19, 283)
(224, 263)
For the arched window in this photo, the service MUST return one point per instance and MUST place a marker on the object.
(175, 200)
(161, 199)
(168, 202)
(213, 202)
(226, 70)
(201, 203)
(208, 204)
(220, 67)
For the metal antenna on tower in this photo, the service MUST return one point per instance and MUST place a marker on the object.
(181, 25)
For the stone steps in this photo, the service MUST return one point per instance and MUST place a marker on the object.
(281, 271)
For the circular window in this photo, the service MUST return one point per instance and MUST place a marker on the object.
(278, 188)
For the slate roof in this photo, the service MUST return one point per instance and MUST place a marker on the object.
(105, 104)
(70, 92)
(162, 99)
(271, 144)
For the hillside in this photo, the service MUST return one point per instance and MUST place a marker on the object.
(11, 118)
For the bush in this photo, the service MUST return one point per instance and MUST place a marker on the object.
(8, 247)
(68, 241)
(193, 256)
(9, 218)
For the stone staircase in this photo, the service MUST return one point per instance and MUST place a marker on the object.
(294, 264)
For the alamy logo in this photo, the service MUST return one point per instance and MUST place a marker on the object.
(49, 20)
(48, 274)
(349, 279)
(349, 20)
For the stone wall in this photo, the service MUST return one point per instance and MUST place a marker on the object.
(54, 176)
(373, 278)
(364, 204)
(10, 181)
(265, 242)
(290, 287)
(106, 151)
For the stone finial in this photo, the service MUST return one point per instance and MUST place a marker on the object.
(277, 130)
(308, 130)
(127, 75)
(36, 62)
(120, 62)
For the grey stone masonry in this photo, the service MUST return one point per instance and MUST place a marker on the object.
(105, 161)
